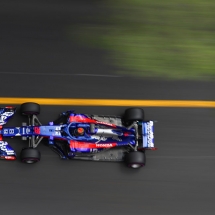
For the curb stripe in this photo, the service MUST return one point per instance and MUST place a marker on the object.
(110, 102)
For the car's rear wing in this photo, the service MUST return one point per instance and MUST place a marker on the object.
(148, 135)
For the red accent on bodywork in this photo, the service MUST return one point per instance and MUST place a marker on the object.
(80, 118)
(106, 123)
(84, 119)
(1, 127)
(36, 130)
(126, 134)
(86, 145)
(10, 157)
(154, 148)
(9, 107)
(1, 138)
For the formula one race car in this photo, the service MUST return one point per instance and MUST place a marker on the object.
(81, 136)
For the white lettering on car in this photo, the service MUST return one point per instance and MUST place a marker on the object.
(28, 130)
(100, 138)
(150, 135)
(11, 131)
(107, 145)
(4, 116)
(4, 148)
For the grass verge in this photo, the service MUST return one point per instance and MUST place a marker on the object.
(152, 38)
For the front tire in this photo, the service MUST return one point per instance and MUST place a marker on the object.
(30, 108)
(135, 159)
(30, 155)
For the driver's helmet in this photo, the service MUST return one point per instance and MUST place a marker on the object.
(79, 131)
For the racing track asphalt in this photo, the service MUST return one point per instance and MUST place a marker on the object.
(178, 178)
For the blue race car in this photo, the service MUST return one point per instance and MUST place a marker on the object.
(81, 136)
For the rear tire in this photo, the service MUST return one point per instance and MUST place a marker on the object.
(30, 108)
(134, 114)
(30, 155)
(135, 159)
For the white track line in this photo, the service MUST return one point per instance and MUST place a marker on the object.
(59, 74)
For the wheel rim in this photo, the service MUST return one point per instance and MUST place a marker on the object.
(135, 165)
(29, 161)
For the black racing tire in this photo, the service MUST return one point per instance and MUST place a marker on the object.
(30, 155)
(134, 114)
(30, 108)
(135, 159)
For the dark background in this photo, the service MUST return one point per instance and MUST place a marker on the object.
(38, 59)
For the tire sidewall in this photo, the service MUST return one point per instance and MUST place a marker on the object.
(30, 155)
(135, 158)
(30, 108)
(133, 114)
